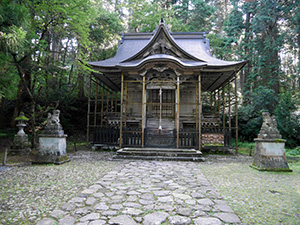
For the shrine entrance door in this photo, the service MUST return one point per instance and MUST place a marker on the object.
(160, 114)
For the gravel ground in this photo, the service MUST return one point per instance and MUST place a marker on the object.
(256, 197)
(30, 193)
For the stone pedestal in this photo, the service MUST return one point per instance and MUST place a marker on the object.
(20, 146)
(270, 155)
(269, 147)
(52, 143)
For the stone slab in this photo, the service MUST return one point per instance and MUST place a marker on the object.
(270, 155)
(52, 146)
(170, 193)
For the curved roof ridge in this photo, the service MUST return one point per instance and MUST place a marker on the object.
(162, 57)
(162, 27)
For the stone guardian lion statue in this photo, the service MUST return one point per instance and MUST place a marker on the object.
(53, 120)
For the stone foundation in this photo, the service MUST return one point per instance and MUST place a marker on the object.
(270, 155)
(52, 150)
(20, 146)
(212, 138)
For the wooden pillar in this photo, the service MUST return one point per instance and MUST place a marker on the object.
(96, 103)
(211, 102)
(89, 111)
(229, 106)
(178, 111)
(107, 101)
(116, 103)
(112, 102)
(126, 103)
(197, 107)
(223, 99)
(143, 111)
(236, 116)
(121, 115)
(102, 104)
(200, 111)
(219, 106)
(215, 102)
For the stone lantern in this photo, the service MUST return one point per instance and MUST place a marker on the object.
(20, 146)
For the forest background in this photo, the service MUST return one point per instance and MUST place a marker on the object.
(45, 45)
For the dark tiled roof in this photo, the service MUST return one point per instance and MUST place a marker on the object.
(188, 50)
(193, 43)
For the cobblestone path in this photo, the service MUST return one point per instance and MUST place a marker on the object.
(147, 192)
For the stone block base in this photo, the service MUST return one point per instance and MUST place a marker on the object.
(277, 164)
(52, 145)
(52, 149)
(51, 159)
(270, 155)
(19, 151)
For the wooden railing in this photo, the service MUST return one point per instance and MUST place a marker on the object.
(188, 138)
(106, 135)
(132, 136)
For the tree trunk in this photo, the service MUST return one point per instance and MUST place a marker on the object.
(298, 66)
(17, 104)
(2, 117)
(32, 112)
(245, 83)
(80, 86)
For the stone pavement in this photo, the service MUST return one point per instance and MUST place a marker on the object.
(148, 193)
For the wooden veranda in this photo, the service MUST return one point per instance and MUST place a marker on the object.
(110, 122)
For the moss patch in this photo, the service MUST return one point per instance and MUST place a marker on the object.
(257, 197)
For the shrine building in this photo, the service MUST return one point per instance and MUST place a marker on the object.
(163, 90)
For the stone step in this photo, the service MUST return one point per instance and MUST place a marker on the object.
(171, 154)
(161, 149)
(160, 158)
(160, 154)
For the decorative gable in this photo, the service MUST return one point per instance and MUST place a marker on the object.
(162, 43)
(162, 46)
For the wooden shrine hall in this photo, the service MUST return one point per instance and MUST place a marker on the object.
(163, 90)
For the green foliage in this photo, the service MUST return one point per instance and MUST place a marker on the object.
(295, 152)
(197, 15)
(144, 16)
(104, 31)
(288, 123)
(262, 99)
(12, 13)
(217, 44)
(13, 40)
(202, 16)
(246, 147)
(249, 123)
(250, 120)
(9, 81)
(13, 24)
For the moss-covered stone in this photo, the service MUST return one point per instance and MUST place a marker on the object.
(270, 169)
